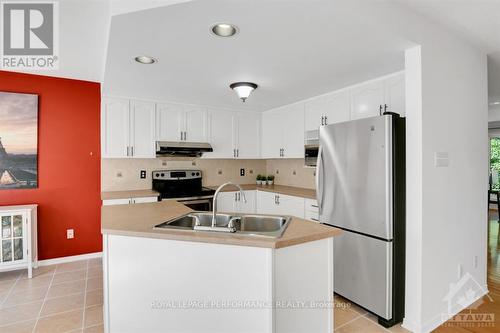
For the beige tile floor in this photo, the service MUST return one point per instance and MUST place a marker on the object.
(350, 318)
(68, 298)
(59, 298)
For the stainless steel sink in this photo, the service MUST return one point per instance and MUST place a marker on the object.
(248, 225)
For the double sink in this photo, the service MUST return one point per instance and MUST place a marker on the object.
(251, 225)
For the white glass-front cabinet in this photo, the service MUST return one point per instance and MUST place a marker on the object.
(283, 132)
(127, 128)
(18, 225)
(176, 122)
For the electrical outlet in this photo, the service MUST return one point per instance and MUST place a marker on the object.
(143, 174)
(70, 234)
(119, 174)
(242, 172)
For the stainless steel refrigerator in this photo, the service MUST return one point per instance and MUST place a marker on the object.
(360, 183)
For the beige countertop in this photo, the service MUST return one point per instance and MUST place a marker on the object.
(138, 220)
(110, 195)
(280, 189)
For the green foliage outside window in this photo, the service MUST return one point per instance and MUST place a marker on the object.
(495, 158)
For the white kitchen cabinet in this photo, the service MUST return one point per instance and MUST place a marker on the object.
(176, 122)
(279, 204)
(221, 128)
(247, 207)
(18, 238)
(226, 202)
(129, 201)
(169, 122)
(142, 124)
(372, 98)
(195, 128)
(233, 134)
(127, 128)
(394, 94)
(367, 100)
(311, 210)
(283, 132)
(232, 202)
(327, 109)
(115, 128)
(289, 205)
(247, 135)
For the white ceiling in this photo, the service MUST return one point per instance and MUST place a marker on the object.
(291, 49)
(476, 20)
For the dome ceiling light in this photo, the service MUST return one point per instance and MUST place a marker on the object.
(224, 29)
(145, 60)
(243, 89)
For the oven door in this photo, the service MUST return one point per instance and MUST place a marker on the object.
(204, 205)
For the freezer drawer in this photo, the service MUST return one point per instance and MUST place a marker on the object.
(363, 272)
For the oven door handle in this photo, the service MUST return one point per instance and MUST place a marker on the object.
(195, 201)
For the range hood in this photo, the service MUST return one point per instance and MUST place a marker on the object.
(189, 149)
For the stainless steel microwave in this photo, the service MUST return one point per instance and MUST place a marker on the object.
(311, 155)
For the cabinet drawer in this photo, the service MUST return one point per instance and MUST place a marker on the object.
(311, 205)
(312, 216)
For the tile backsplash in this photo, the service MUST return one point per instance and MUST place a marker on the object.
(124, 174)
(291, 172)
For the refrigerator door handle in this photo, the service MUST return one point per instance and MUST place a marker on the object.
(319, 181)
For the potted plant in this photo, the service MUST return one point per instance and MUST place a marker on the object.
(259, 179)
(270, 180)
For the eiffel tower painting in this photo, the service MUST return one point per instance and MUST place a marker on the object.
(18, 141)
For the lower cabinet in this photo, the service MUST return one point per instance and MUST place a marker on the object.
(129, 201)
(18, 238)
(233, 202)
(279, 204)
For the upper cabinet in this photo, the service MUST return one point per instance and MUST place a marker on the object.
(127, 128)
(327, 109)
(283, 132)
(233, 134)
(175, 122)
(373, 98)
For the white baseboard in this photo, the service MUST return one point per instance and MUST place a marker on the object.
(438, 320)
(63, 260)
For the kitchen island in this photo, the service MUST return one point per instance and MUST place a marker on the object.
(193, 281)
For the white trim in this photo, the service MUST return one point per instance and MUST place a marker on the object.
(438, 320)
(63, 260)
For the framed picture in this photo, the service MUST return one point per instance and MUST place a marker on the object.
(18, 140)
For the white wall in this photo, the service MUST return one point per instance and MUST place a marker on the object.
(447, 111)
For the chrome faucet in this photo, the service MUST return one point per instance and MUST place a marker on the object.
(214, 213)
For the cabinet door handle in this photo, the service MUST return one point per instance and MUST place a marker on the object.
(234, 152)
(380, 109)
(278, 197)
(235, 196)
(237, 153)
(239, 197)
(185, 136)
(385, 108)
(326, 120)
(322, 120)
(132, 151)
(128, 148)
(282, 153)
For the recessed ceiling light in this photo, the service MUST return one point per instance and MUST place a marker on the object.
(243, 89)
(146, 60)
(224, 29)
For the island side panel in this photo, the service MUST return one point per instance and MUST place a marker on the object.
(303, 277)
(146, 279)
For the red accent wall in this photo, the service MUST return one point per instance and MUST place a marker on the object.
(68, 192)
